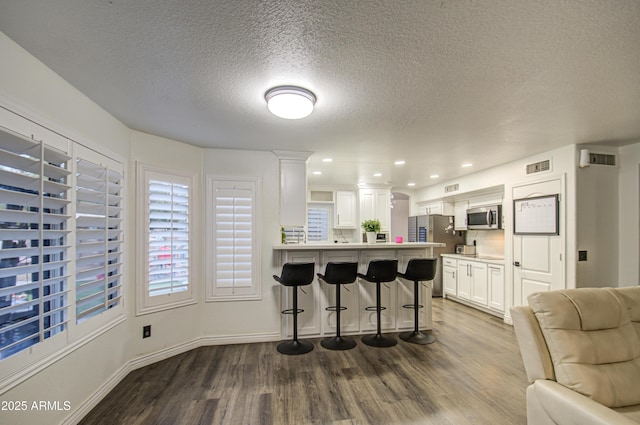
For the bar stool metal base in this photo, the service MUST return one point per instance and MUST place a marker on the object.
(294, 347)
(338, 343)
(417, 337)
(379, 340)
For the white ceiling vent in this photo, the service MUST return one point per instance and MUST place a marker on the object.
(451, 188)
(539, 166)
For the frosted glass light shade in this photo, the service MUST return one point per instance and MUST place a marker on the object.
(289, 102)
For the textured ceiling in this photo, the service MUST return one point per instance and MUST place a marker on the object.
(434, 83)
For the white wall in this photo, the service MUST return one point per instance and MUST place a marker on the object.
(28, 88)
(597, 222)
(629, 226)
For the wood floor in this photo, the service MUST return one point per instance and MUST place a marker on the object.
(472, 374)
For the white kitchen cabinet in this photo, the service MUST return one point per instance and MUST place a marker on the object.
(472, 281)
(440, 208)
(345, 211)
(479, 288)
(449, 281)
(464, 280)
(460, 219)
(375, 203)
(495, 277)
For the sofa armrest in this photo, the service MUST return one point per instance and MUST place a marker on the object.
(533, 348)
(565, 406)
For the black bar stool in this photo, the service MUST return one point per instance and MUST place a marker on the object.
(418, 269)
(295, 274)
(379, 271)
(339, 274)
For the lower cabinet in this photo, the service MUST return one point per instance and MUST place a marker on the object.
(476, 282)
(314, 298)
(495, 277)
(449, 281)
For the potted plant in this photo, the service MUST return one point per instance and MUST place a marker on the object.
(371, 227)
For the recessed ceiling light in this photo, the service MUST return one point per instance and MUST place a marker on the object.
(317, 173)
(434, 176)
(327, 160)
(467, 164)
(377, 174)
(411, 184)
(290, 102)
(400, 162)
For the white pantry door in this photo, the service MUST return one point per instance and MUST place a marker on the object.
(538, 260)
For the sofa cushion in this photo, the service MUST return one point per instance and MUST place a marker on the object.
(593, 345)
(631, 297)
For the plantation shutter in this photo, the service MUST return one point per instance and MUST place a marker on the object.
(234, 239)
(34, 250)
(98, 238)
(318, 224)
(168, 224)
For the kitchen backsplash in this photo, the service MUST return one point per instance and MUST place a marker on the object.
(488, 242)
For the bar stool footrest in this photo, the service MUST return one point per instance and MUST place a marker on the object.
(412, 306)
(335, 308)
(292, 311)
(374, 308)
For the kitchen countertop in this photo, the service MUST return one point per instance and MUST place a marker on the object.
(356, 246)
(483, 258)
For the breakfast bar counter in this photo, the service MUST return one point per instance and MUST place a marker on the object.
(315, 321)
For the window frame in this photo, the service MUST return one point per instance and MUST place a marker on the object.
(215, 293)
(145, 303)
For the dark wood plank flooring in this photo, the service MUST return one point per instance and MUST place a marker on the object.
(472, 374)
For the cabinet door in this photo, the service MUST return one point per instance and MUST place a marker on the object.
(479, 289)
(376, 204)
(293, 192)
(368, 294)
(495, 276)
(460, 222)
(449, 281)
(345, 210)
(464, 280)
(309, 299)
(349, 297)
(383, 209)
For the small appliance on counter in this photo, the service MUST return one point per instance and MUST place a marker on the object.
(466, 249)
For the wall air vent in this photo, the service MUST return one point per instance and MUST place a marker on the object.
(602, 159)
(539, 167)
(451, 188)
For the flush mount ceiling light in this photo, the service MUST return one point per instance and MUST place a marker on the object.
(290, 102)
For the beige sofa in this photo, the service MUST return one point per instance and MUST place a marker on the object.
(581, 352)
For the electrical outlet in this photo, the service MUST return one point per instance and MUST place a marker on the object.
(146, 331)
(582, 255)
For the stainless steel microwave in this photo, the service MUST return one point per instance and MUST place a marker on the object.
(488, 217)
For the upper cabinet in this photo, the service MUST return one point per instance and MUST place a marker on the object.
(375, 203)
(345, 210)
(439, 208)
(460, 219)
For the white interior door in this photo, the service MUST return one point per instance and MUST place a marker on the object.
(538, 260)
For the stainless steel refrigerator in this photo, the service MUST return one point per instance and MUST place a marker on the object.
(435, 228)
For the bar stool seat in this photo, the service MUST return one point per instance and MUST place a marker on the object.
(295, 275)
(379, 271)
(418, 270)
(339, 274)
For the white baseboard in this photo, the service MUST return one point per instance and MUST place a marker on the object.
(148, 359)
